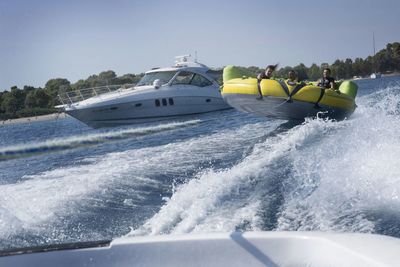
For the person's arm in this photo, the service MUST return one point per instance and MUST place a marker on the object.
(333, 85)
(259, 76)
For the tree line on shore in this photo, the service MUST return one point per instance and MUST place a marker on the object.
(30, 101)
(386, 61)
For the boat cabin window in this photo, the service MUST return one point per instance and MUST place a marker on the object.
(216, 75)
(186, 77)
(200, 81)
(163, 76)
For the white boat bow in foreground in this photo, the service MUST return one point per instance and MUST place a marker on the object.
(248, 249)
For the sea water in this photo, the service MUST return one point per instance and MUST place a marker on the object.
(62, 181)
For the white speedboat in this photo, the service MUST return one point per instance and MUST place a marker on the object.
(163, 93)
(375, 75)
(272, 249)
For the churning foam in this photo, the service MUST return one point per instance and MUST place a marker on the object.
(42, 199)
(214, 193)
(348, 181)
(330, 176)
(321, 175)
(45, 196)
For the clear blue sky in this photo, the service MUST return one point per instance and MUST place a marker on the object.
(45, 39)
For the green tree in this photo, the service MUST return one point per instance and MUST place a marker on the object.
(30, 100)
(13, 101)
(338, 69)
(368, 66)
(358, 67)
(28, 89)
(81, 84)
(53, 87)
(37, 99)
(9, 103)
(128, 79)
(2, 94)
(314, 72)
(42, 98)
(301, 70)
(381, 63)
(282, 72)
(395, 55)
(255, 70)
(104, 78)
(348, 68)
(107, 77)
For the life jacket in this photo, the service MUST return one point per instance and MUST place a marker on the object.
(291, 83)
(326, 82)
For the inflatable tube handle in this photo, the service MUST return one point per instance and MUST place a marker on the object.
(321, 95)
(259, 90)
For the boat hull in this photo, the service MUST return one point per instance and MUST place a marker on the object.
(146, 110)
(250, 249)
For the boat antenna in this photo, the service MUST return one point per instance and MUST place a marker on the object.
(195, 56)
(373, 41)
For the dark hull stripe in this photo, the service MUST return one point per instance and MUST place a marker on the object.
(160, 117)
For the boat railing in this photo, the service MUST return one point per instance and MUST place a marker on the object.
(71, 97)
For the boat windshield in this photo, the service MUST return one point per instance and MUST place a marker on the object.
(163, 76)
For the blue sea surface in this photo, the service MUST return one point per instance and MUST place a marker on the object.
(62, 181)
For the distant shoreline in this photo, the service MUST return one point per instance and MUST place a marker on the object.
(391, 74)
(53, 116)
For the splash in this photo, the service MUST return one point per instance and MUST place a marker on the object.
(343, 183)
(321, 175)
(221, 200)
(41, 201)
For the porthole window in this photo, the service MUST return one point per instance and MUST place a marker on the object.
(138, 104)
(171, 101)
(157, 102)
(164, 102)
